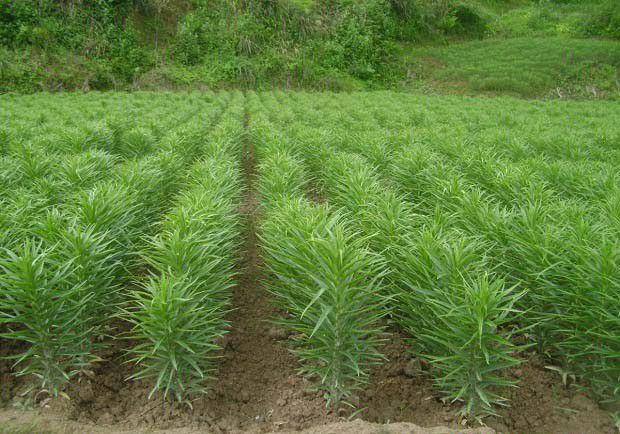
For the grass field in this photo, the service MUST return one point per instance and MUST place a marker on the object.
(551, 67)
(483, 232)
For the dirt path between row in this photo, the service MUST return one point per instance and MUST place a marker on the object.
(258, 388)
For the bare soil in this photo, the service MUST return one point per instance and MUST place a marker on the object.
(258, 388)
(49, 425)
(400, 391)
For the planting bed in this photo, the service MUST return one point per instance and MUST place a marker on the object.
(283, 261)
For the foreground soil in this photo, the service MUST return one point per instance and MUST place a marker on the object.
(40, 425)
(276, 399)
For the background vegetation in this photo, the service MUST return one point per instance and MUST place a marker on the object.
(322, 44)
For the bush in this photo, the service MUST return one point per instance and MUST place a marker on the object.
(469, 19)
(15, 18)
(363, 33)
(605, 21)
(187, 46)
(127, 58)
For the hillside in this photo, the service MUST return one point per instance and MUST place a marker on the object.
(525, 48)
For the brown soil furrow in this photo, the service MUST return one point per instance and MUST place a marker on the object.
(258, 386)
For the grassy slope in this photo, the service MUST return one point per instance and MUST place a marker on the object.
(526, 66)
(532, 50)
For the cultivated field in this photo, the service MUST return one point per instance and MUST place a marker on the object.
(281, 260)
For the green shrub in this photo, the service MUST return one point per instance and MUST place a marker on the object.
(170, 316)
(469, 19)
(188, 45)
(126, 56)
(363, 33)
(464, 328)
(604, 21)
(16, 18)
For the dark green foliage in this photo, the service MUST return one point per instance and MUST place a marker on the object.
(354, 38)
(468, 19)
(419, 18)
(190, 42)
(42, 32)
(605, 21)
(15, 16)
(326, 44)
(127, 58)
(363, 34)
